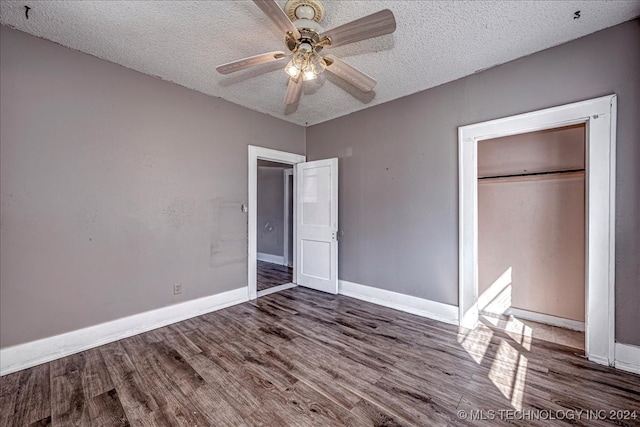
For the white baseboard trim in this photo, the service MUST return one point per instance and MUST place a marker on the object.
(627, 357)
(422, 307)
(276, 289)
(273, 259)
(547, 319)
(600, 360)
(22, 356)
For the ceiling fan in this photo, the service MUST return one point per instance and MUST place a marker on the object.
(305, 40)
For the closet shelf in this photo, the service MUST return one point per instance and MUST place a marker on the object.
(562, 172)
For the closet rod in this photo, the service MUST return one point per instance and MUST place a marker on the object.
(533, 174)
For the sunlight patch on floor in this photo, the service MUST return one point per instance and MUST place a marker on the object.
(517, 391)
(518, 331)
(508, 373)
(513, 338)
(475, 341)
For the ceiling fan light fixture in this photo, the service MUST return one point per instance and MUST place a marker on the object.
(316, 63)
(307, 62)
(299, 59)
(292, 70)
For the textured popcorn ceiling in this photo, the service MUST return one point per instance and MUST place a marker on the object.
(435, 42)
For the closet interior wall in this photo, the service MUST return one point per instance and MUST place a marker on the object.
(531, 223)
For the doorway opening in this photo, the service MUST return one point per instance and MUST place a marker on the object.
(599, 118)
(314, 228)
(267, 264)
(531, 234)
(274, 221)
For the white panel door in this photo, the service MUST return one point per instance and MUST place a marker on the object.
(317, 225)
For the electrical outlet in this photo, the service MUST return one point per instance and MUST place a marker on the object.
(177, 288)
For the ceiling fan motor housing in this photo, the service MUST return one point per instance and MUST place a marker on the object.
(308, 37)
(305, 15)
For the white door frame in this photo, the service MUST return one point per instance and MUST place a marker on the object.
(599, 115)
(286, 229)
(261, 153)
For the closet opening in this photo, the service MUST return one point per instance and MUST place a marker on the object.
(598, 116)
(532, 233)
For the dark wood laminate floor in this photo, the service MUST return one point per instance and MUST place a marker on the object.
(303, 358)
(527, 328)
(270, 275)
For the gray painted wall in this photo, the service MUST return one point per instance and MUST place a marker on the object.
(114, 186)
(270, 215)
(398, 166)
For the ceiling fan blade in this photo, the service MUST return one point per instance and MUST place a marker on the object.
(278, 16)
(373, 25)
(251, 61)
(350, 74)
(294, 89)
